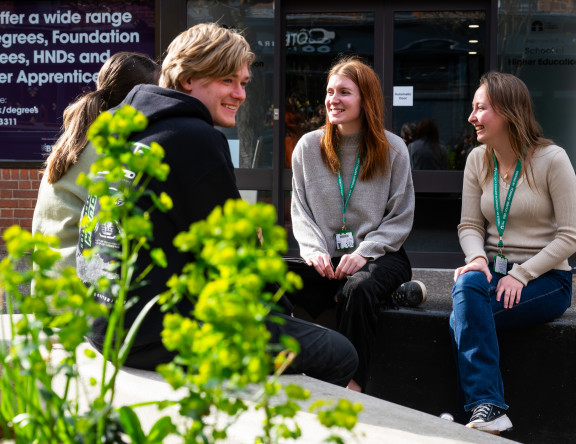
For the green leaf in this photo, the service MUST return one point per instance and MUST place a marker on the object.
(161, 430)
(159, 257)
(131, 335)
(131, 425)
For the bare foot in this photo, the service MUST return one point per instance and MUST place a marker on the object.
(353, 385)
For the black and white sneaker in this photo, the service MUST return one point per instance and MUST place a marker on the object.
(410, 294)
(489, 418)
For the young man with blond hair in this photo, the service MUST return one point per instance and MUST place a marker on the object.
(202, 85)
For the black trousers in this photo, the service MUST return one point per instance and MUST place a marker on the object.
(358, 299)
(324, 354)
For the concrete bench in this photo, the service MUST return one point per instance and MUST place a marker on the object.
(380, 421)
(413, 365)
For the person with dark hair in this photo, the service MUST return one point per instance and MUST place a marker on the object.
(60, 199)
(407, 132)
(517, 231)
(352, 210)
(203, 84)
(426, 152)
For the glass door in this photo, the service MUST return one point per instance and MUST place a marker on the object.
(313, 43)
(438, 59)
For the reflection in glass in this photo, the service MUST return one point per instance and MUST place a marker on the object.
(441, 55)
(293, 247)
(536, 42)
(253, 196)
(251, 139)
(313, 42)
(426, 151)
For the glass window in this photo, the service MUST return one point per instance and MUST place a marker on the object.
(253, 196)
(251, 139)
(438, 59)
(536, 43)
(313, 41)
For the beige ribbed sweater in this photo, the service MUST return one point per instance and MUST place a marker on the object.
(59, 207)
(540, 233)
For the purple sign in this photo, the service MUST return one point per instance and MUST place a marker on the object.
(50, 53)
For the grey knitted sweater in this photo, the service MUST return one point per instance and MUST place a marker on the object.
(380, 211)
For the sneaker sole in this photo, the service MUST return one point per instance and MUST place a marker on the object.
(493, 432)
(424, 291)
(499, 425)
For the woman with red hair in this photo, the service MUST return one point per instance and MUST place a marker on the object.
(352, 210)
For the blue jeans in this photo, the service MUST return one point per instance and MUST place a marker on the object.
(476, 316)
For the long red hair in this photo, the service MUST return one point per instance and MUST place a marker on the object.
(374, 146)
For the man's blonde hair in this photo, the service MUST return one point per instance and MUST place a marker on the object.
(206, 50)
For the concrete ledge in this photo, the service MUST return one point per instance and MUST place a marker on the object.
(380, 422)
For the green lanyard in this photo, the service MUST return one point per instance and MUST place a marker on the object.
(352, 185)
(502, 216)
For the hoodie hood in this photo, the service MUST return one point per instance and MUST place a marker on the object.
(158, 103)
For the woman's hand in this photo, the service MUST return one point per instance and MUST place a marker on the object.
(349, 264)
(511, 288)
(322, 264)
(478, 264)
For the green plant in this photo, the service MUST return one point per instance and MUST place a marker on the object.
(63, 307)
(223, 348)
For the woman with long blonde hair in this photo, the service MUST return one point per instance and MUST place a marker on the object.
(517, 231)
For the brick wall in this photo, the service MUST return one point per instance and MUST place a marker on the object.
(18, 193)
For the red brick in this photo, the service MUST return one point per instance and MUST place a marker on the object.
(6, 212)
(8, 203)
(9, 184)
(24, 184)
(5, 223)
(31, 174)
(35, 174)
(26, 203)
(25, 194)
(23, 213)
(6, 194)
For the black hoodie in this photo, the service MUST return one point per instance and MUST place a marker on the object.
(201, 177)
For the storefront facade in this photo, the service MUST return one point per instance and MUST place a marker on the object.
(429, 56)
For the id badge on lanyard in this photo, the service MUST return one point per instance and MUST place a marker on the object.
(345, 238)
(500, 261)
